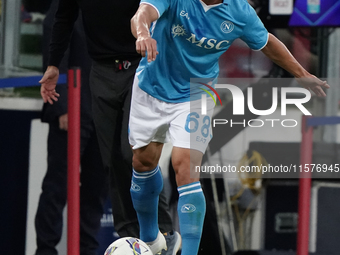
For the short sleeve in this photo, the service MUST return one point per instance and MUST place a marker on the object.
(255, 35)
(160, 5)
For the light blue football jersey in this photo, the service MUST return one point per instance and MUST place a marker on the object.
(191, 36)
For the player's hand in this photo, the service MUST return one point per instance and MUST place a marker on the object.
(145, 45)
(48, 84)
(63, 122)
(314, 84)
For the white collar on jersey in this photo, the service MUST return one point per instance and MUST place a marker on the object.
(208, 7)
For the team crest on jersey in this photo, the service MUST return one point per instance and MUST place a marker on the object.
(227, 27)
(177, 30)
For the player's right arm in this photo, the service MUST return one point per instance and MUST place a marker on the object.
(140, 28)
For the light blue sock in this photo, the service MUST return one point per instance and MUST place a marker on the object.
(145, 189)
(191, 212)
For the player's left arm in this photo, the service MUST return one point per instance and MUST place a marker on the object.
(280, 55)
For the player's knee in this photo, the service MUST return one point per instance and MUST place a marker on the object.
(142, 164)
(180, 163)
(182, 171)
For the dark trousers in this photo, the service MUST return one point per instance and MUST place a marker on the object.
(93, 192)
(111, 95)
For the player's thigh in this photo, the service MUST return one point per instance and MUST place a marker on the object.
(190, 128)
(147, 123)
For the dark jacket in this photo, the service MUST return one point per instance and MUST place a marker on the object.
(75, 56)
(107, 29)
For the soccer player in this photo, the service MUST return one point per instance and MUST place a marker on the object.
(180, 40)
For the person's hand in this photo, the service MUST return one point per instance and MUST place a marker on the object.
(312, 83)
(63, 122)
(48, 84)
(146, 44)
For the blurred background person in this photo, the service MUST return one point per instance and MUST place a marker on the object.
(112, 49)
(93, 189)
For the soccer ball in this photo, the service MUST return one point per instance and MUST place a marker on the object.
(128, 246)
